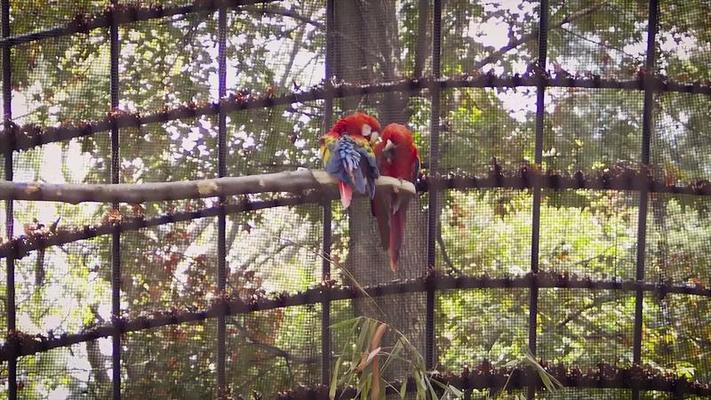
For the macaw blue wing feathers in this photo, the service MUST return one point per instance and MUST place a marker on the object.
(353, 164)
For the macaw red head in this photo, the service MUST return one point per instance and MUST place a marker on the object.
(395, 136)
(358, 124)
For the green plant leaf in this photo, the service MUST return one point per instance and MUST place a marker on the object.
(334, 380)
(403, 389)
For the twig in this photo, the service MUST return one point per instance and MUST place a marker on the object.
(445, 255)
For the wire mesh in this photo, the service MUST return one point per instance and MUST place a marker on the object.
(680, 144)
(164, 3)
(285, 42)
(173, 151)
(32, 16)
(603, 319)
(474, 326)
(481, 126)
(279, 47)
(76, 66)
(677, 239)
(168, 62)
(486, 232)
(274, 250)
(683, 40)
(605, 39)
(601, 394)
(677, 334)
(274, 350)
(589, 233)
(587, 129)
(63, 289)
(169, 267)
(273, 139)
(170, 362)
(497, 35)
(78, 371)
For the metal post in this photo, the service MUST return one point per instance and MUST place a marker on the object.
(115, 235)
(644, 192)
(327, 211)
(9, 214)
(221, 218)
(433, 207)
(538, 159)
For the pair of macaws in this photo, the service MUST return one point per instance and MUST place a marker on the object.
(356, 154)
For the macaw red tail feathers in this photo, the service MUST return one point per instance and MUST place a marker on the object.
(346, 192)
(397, 234)
(379, 207)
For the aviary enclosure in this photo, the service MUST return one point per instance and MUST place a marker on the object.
(562, 209)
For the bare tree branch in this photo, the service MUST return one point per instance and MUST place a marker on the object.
(284, 12)
(496, 55)
(445, 255)
(279, 352)
(289, 181)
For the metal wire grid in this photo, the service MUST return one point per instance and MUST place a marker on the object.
(434, 155)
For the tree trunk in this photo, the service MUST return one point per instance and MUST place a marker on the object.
(98, 361)
(367, 49)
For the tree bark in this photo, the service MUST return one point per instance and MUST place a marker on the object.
(288, 181)
(373, 23)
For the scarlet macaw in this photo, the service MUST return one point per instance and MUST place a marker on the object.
(347, 154)
(397, 156)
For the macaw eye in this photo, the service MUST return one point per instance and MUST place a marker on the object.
(366, 130)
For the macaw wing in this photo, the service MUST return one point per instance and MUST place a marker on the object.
(401, 202)
(336, 165)
(327, 143)
(365, 170)
(371, 171)
(415, 169)
(380, 208)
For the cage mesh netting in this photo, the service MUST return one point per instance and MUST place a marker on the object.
(560, 230)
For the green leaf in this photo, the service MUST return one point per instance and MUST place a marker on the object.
(403, 389)
(334, 380)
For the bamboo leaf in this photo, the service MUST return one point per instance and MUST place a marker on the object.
(403, 389)
(334, 380)
(345, 323)
(432, 391)
(397, 349)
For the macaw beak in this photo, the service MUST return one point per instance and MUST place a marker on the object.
(388, 150)
(374, 138)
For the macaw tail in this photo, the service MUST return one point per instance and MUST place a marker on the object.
(379, 207)
(397, 234)
(346, 192)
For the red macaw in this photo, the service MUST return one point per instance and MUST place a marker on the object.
(397, 156)
(347, 154)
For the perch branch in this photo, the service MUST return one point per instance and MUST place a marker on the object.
(616, 178)
(20, 344)
(289, 181)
